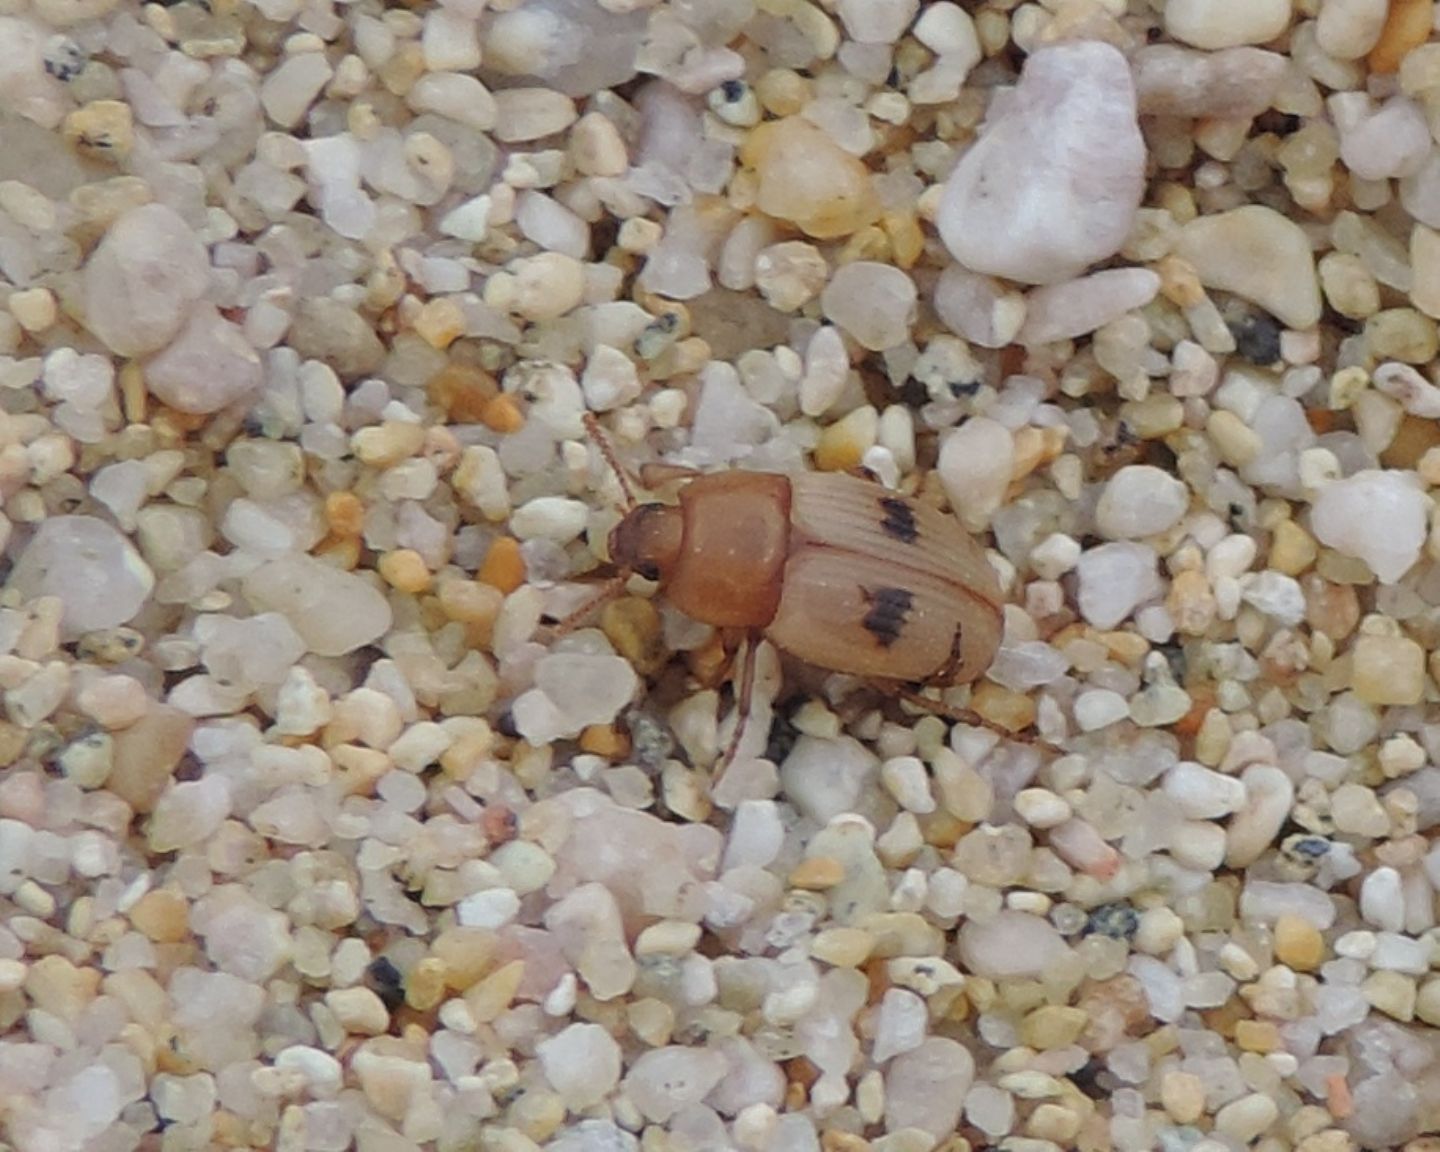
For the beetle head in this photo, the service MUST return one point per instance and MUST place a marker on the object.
(647, 540)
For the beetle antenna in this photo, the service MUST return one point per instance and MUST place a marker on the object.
(602, 442)
(609, 591)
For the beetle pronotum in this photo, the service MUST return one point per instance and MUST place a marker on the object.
(837, 571)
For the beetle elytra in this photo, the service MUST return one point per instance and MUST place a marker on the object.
(834, 570)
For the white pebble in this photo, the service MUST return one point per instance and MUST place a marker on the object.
(946, 28)
(1041, 808)
(1202, 793)
(1077, 307)
(974, 466)
(1375, 516)
(1382, 142)
(1099, 708)
(468, 221)
(493, 908)
(551, 225)
(287, 92)
(908, 783)
(1115, 579)
(554, 518)
(1054, 556)
(1348, 29)
(94, 571)
(1054, 181)
(525, 114)
(610, 379)
(1268, 796)
(1382, 900)
(876, 21)
(827, 369)
(335, 612)
(1140, 500)
(874, 303)
(1215, 24)
(1257, 253)
(140, 282)
(1277, 595)
(582, 1064)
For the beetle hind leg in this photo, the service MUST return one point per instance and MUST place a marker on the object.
(944, 678)
(912, 695)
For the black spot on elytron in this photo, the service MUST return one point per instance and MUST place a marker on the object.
(899, 520)
(888, 609)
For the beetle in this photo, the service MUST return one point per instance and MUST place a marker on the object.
(833, 569)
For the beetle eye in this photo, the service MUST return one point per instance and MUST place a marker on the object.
(648, 571)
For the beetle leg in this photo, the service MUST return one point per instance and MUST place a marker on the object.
(964, 716)
(742, 705)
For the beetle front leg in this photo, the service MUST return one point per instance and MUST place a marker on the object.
(752, 702)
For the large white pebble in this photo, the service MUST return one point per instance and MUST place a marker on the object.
(926, 1087)
(334, 611)
(1380, 142)
(1010, 945)
(1140, 500)
(1376, 516)
(582, 1064)
(587, 688)
(1114, 579)
(141, 280)
(209, 366)
(94, 570)
(664, 1080)
(1056, 177)
(1234, 82)
(975, 464)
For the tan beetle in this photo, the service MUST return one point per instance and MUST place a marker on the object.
(837, 571)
